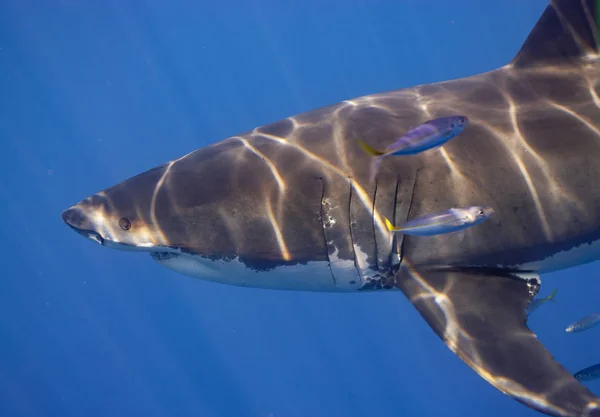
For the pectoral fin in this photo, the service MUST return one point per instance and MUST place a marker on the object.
(481, 316)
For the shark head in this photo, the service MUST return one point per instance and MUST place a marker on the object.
(220, 213)
(122, 217)
(209, 213)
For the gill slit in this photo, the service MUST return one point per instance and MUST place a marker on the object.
(396, 251)
(350, 221)
(374, 231)
(410, 204)
(323, 229)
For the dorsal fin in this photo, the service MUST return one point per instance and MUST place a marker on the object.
(566, 32)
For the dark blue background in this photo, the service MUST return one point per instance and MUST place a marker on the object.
(92, 92)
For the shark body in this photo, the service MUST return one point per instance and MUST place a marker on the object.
(291, 205)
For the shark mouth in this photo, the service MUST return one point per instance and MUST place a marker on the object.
(90, 234)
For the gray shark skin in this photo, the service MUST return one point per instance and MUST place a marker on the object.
(290, 205)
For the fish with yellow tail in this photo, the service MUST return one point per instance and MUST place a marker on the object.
(535, 304)
(447, 221)
(431, 134)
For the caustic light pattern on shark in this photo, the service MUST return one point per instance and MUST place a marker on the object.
(290, 205)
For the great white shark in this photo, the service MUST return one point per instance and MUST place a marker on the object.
(291, 206)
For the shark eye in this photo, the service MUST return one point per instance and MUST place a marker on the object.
(124, 223)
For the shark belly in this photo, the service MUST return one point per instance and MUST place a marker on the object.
(313, 276)
(578, 255)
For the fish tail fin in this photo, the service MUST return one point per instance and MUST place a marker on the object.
(551, 296)
(390, 226)
(369, 149)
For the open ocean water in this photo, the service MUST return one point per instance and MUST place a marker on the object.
(93, 92)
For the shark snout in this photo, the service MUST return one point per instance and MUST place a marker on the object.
(79, 220)
(73, 216)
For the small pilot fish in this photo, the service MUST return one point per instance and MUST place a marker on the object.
(447, 221)
(588, 374)
(583, 324)
(539, 301)
(431, 134)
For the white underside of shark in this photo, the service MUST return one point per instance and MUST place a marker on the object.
(336, 275)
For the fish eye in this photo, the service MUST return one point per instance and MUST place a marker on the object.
(481, 212)
(124, 223)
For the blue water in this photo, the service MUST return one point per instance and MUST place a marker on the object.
(92, 92)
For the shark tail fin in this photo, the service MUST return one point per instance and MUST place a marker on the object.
(567, 32)
(551, 296)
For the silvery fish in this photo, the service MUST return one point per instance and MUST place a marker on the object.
(539, 301)
(447, 221)
(583, 324)
(431, 134)
(588, 374)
